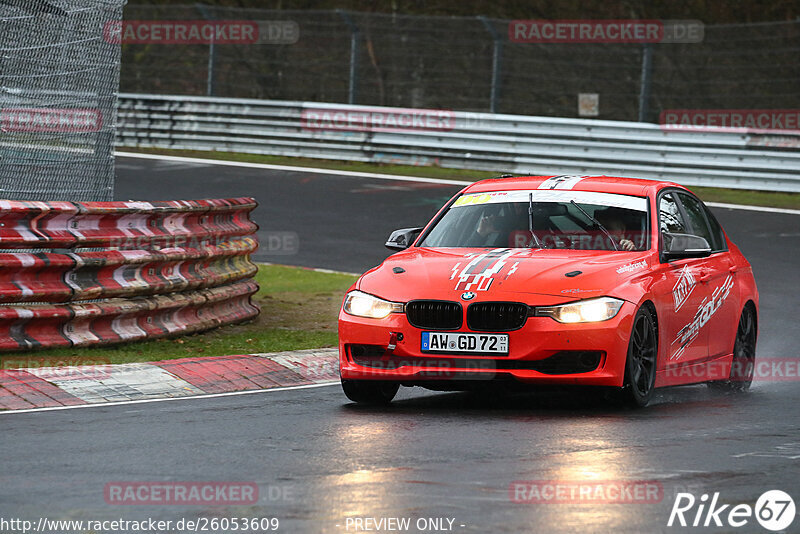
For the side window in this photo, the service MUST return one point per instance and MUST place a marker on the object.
(669, 216)
(697, 218)
(719, 243)
(704, 223)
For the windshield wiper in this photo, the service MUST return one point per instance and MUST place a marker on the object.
(597, 223)
(530, 223)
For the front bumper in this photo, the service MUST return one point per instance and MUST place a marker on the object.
(543, 351)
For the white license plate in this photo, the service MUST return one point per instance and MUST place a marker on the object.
(464, 342)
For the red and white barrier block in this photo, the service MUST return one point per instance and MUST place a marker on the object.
(164, 268)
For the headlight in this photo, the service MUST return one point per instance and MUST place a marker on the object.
(365, 305)
(584, 311)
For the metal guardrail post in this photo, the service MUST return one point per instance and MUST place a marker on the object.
(497, 56)
(647, 79)
(212, 53)
(355, 35)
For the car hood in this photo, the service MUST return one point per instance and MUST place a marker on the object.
(528, 275)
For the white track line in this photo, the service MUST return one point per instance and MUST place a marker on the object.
(292, 168)
(395, 177)
(143, 401)
(315, 269)
(752, 208)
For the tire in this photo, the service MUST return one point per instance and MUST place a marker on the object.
(744, 354)
(640, 364)
(374, 392)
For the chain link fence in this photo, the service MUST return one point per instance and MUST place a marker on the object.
(59, 80)
(470, 64)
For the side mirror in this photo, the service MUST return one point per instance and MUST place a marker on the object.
(402, 239)
(679, 246)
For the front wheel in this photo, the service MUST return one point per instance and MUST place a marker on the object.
(640, 365)
(376, 392)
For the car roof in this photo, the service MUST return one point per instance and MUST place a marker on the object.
(603, 184)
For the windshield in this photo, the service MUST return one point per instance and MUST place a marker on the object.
(560, 219)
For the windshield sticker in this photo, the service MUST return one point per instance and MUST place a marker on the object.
(553, 195)
(683, 287)
(705, 311)
(632, 267)
(561, 182)
(478, 274)
(481, 198)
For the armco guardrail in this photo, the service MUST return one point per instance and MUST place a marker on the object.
(162, 268)
(503, 143)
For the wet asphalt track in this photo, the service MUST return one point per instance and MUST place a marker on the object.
(318, 459)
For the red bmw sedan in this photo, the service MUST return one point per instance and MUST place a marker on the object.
(624, 283)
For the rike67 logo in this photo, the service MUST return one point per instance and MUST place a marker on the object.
(774, 510)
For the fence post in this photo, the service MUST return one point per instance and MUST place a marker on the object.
(497, 56)
(355, 34)
(647, 75)
(212, 53)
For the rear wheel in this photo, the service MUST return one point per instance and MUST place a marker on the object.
(744, 354)
(376, 392)
(640, 366)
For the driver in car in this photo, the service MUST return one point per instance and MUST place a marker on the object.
(497, 230)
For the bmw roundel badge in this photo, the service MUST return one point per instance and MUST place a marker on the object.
(469, 295)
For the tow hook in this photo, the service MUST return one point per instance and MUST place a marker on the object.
(394, 337)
